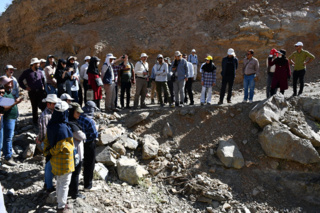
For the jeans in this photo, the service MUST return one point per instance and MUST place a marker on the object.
(50, 89)
(188, 89)
(74, 95)
(74, 184)
(170, 85)
(1, 135)
(248, 83)
(63, 182)
(298, 74)
(89, 163)
(125, 88)
(8, 132)
(226, 81)
(178, 87)
(206, 92)
(48, 176)
(116, 97)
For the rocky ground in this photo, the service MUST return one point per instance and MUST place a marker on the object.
(180, 149)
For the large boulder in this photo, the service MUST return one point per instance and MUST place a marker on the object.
(311, 106)
(119, 148)
(130, 171)
(277, 141)
(137, 118)
(101, 171)
(110, 135)
(150, 147)
(229, 154)
(106, 155)
(269, 110)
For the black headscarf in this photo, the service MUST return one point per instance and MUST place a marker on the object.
(59, 71)
(93, 67)
(75, 126)
(209, 67)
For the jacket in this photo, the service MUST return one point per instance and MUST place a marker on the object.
(224, 66)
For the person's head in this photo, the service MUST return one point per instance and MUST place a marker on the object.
(61, 64)
(9, 70)
(110, 58)
(2, 90)
(282, 53)
(71, 59)
(66, 97)
(87, 59)
(51, 59)
(160, 58)
(209, 59)
(143, 57)
(7, 83)
(43, 63)
(193, 51)
(51, 101)
(184, 56)
(75, 110)
(299, 46)
(94, 61)
(250, 53)
(90, 108)
(35, 64)
(177, 55)
(231, 53)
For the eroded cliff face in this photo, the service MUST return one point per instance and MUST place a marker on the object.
(36, 28)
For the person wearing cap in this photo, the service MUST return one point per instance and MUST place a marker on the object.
(61, 75)
(107, 76)
(193, 58)
(9, 120)
(229, 67)
(72, 82)
(161, 78)
(78, 137)
(180, 73)
(208, 80)
(59, 147)
(33, 81)
(93, 77)
(66, 97)
(282, 72)
(188, 87)
(89, 128)
(84, 77)
(300, 58)
(270, 70)
(125, 79)
(49, 71)
(142, 77)
(44, 119)
(9, 73)
(250, 73)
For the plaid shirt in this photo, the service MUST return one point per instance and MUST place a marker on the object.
(116, 70)
(43, 122)
(88, 127)
(208, 78)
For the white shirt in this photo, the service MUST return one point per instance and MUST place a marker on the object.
(139, 69)
(161, 72)
(273, 67)
(202, 66)
(83, 71)
(190, 70)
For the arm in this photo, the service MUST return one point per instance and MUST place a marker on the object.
(42, 128)
(7, 108)
(256, 68)
(214, 73)
(57, 148)
(79, 136)
(20, 80)
(103, 70)
(311, 58)
(185, 66)
(133, 76)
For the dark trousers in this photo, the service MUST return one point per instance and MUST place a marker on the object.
(116, 99)
(298, 74)
(125, 87)
(80, 98)
(170, 85)
(85, 89)
(273, 91)
(226, 81)
(88, 163)
(36, 97)
(74, 184)
(188, 89)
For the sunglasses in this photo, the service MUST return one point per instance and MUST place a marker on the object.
(2, 92)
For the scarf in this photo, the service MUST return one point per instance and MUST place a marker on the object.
(73, 123)
(93, 67)
(208, 67)
(281, 61)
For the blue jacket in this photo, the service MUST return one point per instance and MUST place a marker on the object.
(224, 65)
(107, 78)
(182, 69)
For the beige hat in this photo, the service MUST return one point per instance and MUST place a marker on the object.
(34, 61)
(4, 80)
(177, 53)
(76, 107)
(52, 98)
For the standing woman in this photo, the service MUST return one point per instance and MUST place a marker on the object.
(282, 72)
(93, 74)
(59, 146)
(61, 76)
(78, 137)
(208, 80)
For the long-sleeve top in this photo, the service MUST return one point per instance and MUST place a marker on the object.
(15, 88)
(89, 128)
(78, 138)
(83, 71)
(140, 68)
(193, 59)
(107, 74)
(34, 79)
(190, 70)
(300, 58)
(49, 72)
(224, 64)
(182, 70)
(43, 122)
(161, 72)
(208, 78)
(250, 66)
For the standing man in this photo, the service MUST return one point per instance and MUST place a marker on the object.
(250, 75)
(298, 59)
(84, 76)
(229, 68)
(193, 58)
(32, 80)
(9, 73)
(180, 71)
(125, 78)
(188, 87)
(49, 72)
(141, 71)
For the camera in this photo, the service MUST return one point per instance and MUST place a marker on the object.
(123, 56)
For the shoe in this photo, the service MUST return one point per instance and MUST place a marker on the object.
(229, 101)
(208, 103)
(152, 101)
(250, 101)
(66, 209)
(9, 162)
(244, 101)
(51, 190)
(177, 104)
(181, 105)
(192, 103)
(90, 189)
(220, 102)
(202, 104)
(294, 94)
(78, 196)
(172, 106)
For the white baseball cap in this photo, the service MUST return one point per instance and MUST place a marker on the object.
(143, 55)
(87, 58)
(10, 67)
(231, 52)
(61, 106)
(193, 50)
(160, 56)
(52, 98)
(299, 44)
(34, 61)
(66, 96)
(43, 60)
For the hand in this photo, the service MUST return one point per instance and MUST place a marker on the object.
(202, 83)
(213, 84)
(145, 73)
(186, 79)
(18, 100)
(28, 89)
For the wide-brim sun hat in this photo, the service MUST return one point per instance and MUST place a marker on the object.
(110, 55)
(231, 52)
(34, 61)
(61, 106)
(4, 80)
(143, 55)
(10, 67)
(52, 98)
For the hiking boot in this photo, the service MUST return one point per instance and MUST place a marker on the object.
(244, 101)
(81, 196)
(220, 102)
(250, 101)
(208, 103)
(229, 102)
(202, 104)
(9, 162)
(191, 103)
(152, 101)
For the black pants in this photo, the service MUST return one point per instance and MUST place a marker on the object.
(88, 163)
(80, 98)
(36, 97)
(116, 99)
(298, 74)
(273, 91)
(85, 89)
(226, 81)
(74, 184)
(170, 85)
(125, 87)
(188, 89)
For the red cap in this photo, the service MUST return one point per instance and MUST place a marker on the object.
(274, 52)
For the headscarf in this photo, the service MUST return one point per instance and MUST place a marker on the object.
(208, 67)
(281, 61)
(58, 128)
(93, 67)
(73, 123)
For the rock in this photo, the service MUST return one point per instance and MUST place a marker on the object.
(229, 154)
(130, 171)
(150, 147)
(101, 170)
(110, 135)
(269, 110)
(226, 206)
(210, 210)
(26, 137)
(118, 147)
(215, 195)
(11, 192)
(184, 112)
(29, 152)
(18, 149)
(167, 131)
(137, 118)
(204, 200)
(52, 198)
(106, 156)
(155, 167)
(277, 141)
(128, 142)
